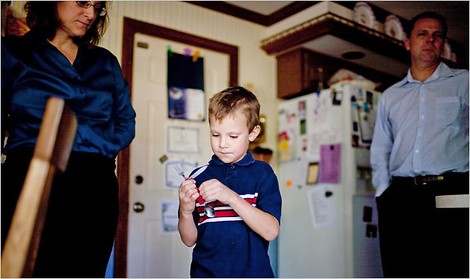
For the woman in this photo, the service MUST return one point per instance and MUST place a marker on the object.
(59, 56)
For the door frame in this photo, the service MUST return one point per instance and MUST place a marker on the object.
(130, 27)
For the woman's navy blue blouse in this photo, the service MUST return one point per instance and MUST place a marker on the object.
(93, 87)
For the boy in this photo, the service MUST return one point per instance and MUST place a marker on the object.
(243, 191)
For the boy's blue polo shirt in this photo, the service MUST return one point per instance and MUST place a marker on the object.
(226, 246)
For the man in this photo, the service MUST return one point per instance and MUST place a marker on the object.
(419, 157)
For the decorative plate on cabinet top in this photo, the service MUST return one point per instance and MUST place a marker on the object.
(364, 15)
(393, 28)
(447, 52)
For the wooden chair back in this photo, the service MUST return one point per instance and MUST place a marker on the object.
(51, 153)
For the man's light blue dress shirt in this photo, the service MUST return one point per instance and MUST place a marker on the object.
(421, 127)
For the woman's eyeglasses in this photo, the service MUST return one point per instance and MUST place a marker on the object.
(98, 7)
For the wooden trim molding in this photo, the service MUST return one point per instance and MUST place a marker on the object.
(265, 20)
(130, 27)
(281, 14)
(289, 10)
(233, 10)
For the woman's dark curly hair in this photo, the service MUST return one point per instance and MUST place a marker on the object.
(43, 20)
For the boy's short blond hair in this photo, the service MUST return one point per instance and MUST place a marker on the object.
(235, 99)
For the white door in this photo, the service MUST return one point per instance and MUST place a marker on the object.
(153, 251)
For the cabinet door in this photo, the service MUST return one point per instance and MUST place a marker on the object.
(289, 74)
(302, 71)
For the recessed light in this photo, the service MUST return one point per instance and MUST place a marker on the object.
(352, 55)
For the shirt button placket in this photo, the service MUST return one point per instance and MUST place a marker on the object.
(230, 170)
(420, 129)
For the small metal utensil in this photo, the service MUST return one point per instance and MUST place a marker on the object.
(179, 171)
(208, 210)
(199, 171)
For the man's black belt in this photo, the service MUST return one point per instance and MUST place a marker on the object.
(455, 196)
(422, 180)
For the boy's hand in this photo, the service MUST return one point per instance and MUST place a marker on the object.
(187, 195)
(186, 226)
(213, 189)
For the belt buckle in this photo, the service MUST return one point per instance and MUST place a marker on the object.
(418, 180)
(422, 180)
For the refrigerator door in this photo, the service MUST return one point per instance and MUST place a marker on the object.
(317, 230)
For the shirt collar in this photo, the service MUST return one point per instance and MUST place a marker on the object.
(441, 71)
(247, 160)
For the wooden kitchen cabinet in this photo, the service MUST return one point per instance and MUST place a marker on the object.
(296, 72)
(302, 71)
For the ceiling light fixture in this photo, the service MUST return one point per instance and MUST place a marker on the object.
(353, 55)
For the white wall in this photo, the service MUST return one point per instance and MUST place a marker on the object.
(255, 67)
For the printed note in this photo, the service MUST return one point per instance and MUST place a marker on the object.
(330, 163)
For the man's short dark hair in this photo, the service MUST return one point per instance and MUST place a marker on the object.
(432, 15)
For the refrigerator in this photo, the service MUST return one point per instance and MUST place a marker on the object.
(329, 217)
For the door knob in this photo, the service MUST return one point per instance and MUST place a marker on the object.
(138, 207)
(139, 179)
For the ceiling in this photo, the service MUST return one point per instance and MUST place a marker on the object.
(456, 12)
(267, 13)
